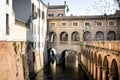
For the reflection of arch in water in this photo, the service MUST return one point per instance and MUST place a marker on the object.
(87, 36)
(51, 55)
(75, 36)
(52, 36)
(111, 35)
(114, 70)
(63, 36)
(99, 36)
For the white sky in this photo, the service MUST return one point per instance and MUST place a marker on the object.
(87, 7)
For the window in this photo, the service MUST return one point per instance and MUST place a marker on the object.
(43, 15)
(99, 23)
(87, 23)
(34, 13)
(111, 23)
(39, 13)
(63, 24)
(33, 8)
(7, 24)
(50, 15)
(7, 1)
(75, 23)
(52, 24)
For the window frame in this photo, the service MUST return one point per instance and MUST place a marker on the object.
(87, 22)
(74, 23)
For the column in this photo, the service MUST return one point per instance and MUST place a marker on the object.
(91, 71)
(110, 78)
(94, 75)
(98, 72)
(104, 74)
(88, 65)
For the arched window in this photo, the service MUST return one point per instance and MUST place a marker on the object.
(75, 36)
(63, 36)
(111, 35)
(52, 36)
(87, 36)
(99, 36)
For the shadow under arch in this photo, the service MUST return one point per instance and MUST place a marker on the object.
(68, 56)
(114, 74)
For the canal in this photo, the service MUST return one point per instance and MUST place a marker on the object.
(61, 72)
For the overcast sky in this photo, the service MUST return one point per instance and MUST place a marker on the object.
(87, 7)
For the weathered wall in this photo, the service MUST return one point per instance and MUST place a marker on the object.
(14, 60)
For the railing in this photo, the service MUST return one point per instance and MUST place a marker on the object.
(65, 42)
(110, 45)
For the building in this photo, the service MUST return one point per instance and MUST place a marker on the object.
(22, 38)
(94, 39)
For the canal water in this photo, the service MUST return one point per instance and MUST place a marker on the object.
(61, 72)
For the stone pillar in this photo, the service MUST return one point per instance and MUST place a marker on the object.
(104, 74)
(89, 65)
(110, 78)
(98, 72)
(58, 40)
(94, 74)
(91, 71)
(69, 38)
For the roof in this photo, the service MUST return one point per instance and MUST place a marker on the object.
(56, 7)
(85, 17)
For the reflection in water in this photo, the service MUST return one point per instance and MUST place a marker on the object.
(61, 73)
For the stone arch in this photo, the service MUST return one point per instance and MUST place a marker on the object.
(52, 36)
(105, 69)
(111, 35)
(51, 55)
(68, 56)
(63, 36)
(75, 36)
(99, 36)
(114, 75)
(87, 36)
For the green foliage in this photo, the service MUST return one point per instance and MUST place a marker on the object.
(15, 47)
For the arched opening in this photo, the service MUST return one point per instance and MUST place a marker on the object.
(87, 36)
(111, 35)
(105, 69)
(75, 36)
(68, 57)
(51, 55)
(99, 69)
(114, 75)
(63, 36)
(99, 36)
(52, 36)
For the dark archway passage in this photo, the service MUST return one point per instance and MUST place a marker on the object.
(114, 70)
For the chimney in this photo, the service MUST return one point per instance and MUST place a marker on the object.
(48, 3)
(64, 2)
